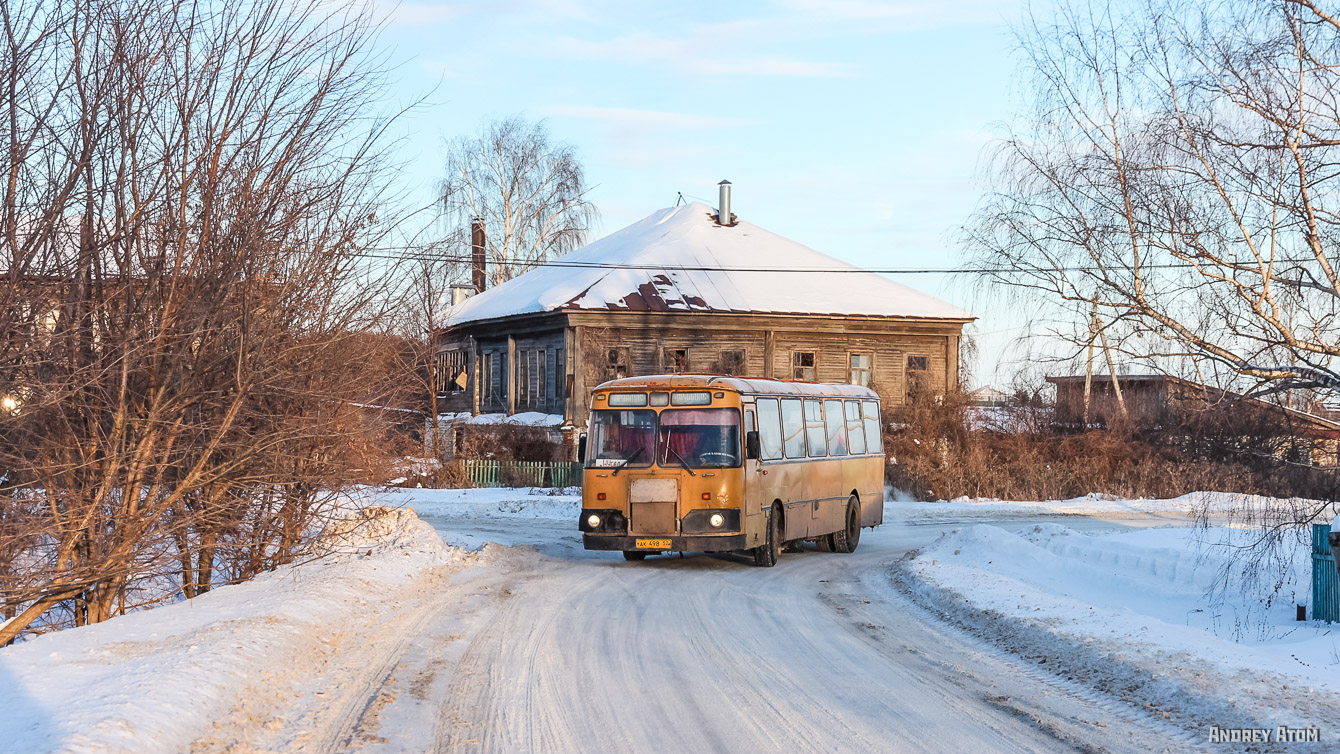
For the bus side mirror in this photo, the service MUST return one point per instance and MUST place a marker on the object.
(752, 447)
(581, 449)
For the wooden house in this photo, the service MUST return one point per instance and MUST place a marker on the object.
(680, 291)
(1177, 406)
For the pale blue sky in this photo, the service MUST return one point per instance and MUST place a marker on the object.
(855, 127)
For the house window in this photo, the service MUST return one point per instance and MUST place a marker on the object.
(732, 362)
(802, 365)
(541, 383)
(451, 376)
(522, 379)
(560, 376)
(488, 366)
(676, 360)
(858, 372)
(616, 363)
(916, 376)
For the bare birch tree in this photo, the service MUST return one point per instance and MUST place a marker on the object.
(529, 191)
(1177, 176)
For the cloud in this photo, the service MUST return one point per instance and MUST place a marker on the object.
(705, 52)
(917, 14)
(627, 117)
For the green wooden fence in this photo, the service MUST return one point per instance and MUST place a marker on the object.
(1325, 585)
(523, 473)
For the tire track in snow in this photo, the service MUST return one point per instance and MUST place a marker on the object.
(709, 654)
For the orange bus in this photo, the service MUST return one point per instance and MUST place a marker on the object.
(712, 463)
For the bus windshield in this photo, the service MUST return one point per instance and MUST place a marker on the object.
(695, 438)
(621, 438)
(699, 438)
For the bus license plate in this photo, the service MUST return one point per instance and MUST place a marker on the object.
(653, 544)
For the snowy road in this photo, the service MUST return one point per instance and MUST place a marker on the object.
(578, 651)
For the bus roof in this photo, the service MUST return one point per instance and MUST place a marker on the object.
(748, 385)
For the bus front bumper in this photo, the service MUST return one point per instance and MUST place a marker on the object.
(719, 543)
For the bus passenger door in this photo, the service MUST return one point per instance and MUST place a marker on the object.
(752, 483)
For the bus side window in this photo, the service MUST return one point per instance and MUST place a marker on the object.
(814, 428)
(793, 428)
(769, 429)
(855, 428)
(836, 423)
(874, 439)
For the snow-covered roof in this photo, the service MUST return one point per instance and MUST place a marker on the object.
(680, 260)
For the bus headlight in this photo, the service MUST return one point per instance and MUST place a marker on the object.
(593, 521)
(716, 520)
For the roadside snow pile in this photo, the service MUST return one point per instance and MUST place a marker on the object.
(522, 419)
(155, 680)
(1216, 504)
(1130, 613)
(499, 502)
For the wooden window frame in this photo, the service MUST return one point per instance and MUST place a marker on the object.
(797, 369)
(869, 369)
(672, 359)
(744, 361)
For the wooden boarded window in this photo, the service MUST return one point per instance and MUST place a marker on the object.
(676, 360)
(450, 375)
(542, 378)
(732, 363)
(858, 372)
(560, 376)
(802, 365)
(522, 379)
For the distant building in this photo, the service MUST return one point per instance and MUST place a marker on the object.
(987, 397)
(1158, 401)
(680, 292)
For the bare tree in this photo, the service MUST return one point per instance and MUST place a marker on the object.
(188, 189)
(529, 191)
(426, 302)
(1173, 194)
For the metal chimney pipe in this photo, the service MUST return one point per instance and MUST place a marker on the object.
(477, 254)
(723, 204)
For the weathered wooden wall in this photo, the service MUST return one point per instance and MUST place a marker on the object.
(584, 340)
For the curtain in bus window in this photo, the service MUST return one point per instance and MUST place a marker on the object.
(836, 424)
(873, 439)
(769, 429)
(814, 428)
(855, 429)
(701, 437)
(793, 428)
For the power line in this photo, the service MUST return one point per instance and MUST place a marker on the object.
(559, 263)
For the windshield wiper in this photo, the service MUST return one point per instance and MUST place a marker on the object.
(682, 462)
(627, 461)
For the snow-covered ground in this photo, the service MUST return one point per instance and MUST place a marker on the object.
(153, 680)
(1167, 617)
(1083, 624)
(1214, 506)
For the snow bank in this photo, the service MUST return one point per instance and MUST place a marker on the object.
(1216, 504)
(154, 680)
(522, 419)
(499, 502)
(1129, 614)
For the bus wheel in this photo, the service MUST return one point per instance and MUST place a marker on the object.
(634, 555)
(846, 539)
(766, 554)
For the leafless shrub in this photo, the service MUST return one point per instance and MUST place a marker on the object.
(188, 189)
